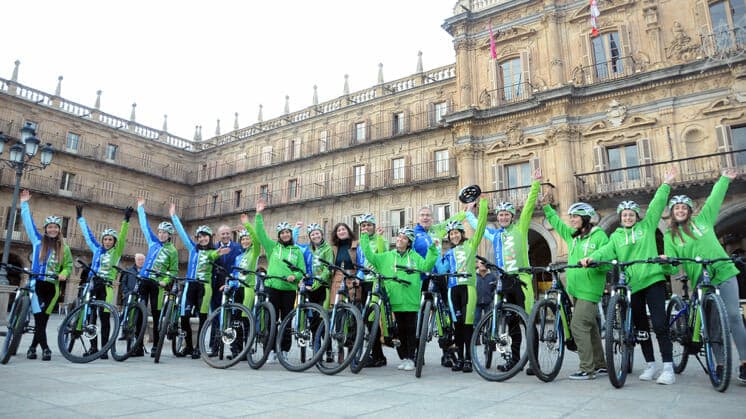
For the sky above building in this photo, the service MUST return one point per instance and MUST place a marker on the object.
(201, 61)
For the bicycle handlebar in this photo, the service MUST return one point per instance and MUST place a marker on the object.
(380, 276)
(677, 260)
(20, 269)
(337, 268)
(410, 270)
(554, 268)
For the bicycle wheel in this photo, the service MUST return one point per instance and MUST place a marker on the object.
(503, 352)
(717, 343)
(546, 340)
(265, 328)
(345, 339)
(370, 333)
(423, 337)
(296, 347)
(81, 330)
(164, 323)
(133, 322)
(679, 331)
(227, 331)
(617, 346)
(16, 324)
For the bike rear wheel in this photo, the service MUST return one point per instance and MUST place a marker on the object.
(164, 323)
(133, 322)
(345, 337)
(265, 329)
(227, 332)
(504, 349)
(679, 331)
(370, 333)
(296, 346)
(17, 320)
(618, 347)
(423, 337)
(80, 331)
(546, 340)
(717, 343)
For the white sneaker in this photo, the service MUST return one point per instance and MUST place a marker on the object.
(403, 365)
(667, 377)
(272, 358)
(650, 371)
(409, 366)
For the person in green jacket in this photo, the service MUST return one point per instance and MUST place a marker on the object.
(249, 241)
(635, 240)
(405, 299)
(694, 236)
(281, 292)
(585, 285)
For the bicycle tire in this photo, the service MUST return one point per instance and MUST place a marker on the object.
(300, 334)
(717, 341)
(163, 324)
(235, 330)
(178, 342)
(265, 329)
(16, 325)
(370, 333)
(616, 345)
(132, 326)
(346, 319)
(423, 338)
(679, 331)
(547, 333)
(79, 332)
(496, 343)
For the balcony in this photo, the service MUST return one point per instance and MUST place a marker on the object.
(508, 94)
(613, 69)
(724, 43)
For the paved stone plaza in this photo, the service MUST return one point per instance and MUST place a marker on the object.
(189, 388)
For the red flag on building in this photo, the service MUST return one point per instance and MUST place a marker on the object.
(594, 14)
(493, 51)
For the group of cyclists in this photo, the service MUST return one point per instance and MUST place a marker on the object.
(443, 248)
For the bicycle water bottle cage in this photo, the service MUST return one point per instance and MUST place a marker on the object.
(642, 335)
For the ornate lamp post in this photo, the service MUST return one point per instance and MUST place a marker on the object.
(19, 158)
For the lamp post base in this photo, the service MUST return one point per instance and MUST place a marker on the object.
(5, 292)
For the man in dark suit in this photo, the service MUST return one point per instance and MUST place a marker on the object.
(226, 261)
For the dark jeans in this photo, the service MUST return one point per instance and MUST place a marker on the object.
(655, 298)
(407, 322)
(283, 302)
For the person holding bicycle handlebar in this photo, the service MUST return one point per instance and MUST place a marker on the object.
(635, 240)
(367, 280)
(247, 260)
(691, 236)
(50, 255)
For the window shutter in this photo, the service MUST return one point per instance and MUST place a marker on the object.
(701, 14)
(431, 115)
(499, 170)
(298, 148)
(368, 131)
(600, 163)
(407, 117)
(288, 149)
(367, 177)
(407, 168)
(353, 133)
(586, 48)
(525, 74)
(624, 38)
(408, 219)
(535, 164)
(723, 135)
(645, 156)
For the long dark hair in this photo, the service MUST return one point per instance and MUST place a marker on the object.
(678, 226)
(49, 244)
(335, 240)
(585, 228)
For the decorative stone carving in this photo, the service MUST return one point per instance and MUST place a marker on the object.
(514, 134)
(616, 112)
(681, 47)
(578, 75)
(485, 98)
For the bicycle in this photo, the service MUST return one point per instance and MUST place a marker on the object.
(497, 330)
(229, 326)
(700, 324)
(376, 303)
(550, 332)
(169, 324)
(345, 328)
(133, 320)
(299, 327)
(80, 329)
(20, 313)
(265, 323)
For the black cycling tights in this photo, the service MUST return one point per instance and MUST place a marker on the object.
(655, 298)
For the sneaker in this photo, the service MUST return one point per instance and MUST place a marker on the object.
(446, 361)
(582, 375)
(272, 358)
(402, 365)
(152, 351)
(667, 377)
(741, 374)
(602, 371)
(105, 355)
(138, 352)
(458, 365)
(409, 365)
(196, 354)
(467, 366)
(507, 366)
(530, 371)
(649, 374)
(31, 353)
(46, 355)
(375, 363)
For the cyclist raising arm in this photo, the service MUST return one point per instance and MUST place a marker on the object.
(251, 247)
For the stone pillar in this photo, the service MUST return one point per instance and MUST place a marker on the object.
(557, 72)
(5, 291)
(653, 31)
(468, 157)
(565, 192)
(465, 78)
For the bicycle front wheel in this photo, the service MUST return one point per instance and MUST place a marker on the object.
(16, 325)
(546, 340)
(370, 333)
(226, 335)
(678, 329)
(345, 339)
(297, 346)
(423, 337)
(503, 352)
(164, 323)
(618, 347)
(88, 331)
(717, 342)
(133, 322)
(265, 329)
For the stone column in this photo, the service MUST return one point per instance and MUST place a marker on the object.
(565, 192)
(554, 43)
(465, 78)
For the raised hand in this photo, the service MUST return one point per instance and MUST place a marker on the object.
(670, 175)
(244, 218)
(730, 173)
(140, 201)
(260, 205)
(25, 195)
(379, 231)
(78, 211)
(172, 209)
(536, 175)
(128, 213)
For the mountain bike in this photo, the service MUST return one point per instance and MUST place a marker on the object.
(169, 324)
(80, 330)
(700, 325)
(20, 313)
(265, 323)
(299, 328)
(133, 320)
(498, 330)
(549, 332)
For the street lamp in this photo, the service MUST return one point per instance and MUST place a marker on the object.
(19, 158)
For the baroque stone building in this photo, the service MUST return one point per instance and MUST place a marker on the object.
(663, 83)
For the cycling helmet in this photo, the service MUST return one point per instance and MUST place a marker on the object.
(581, 209)
(283, 226)
(242, 234)
(314, 226)
(681, 199)
(454, 225)
(367, 218)
(628, 205)
(110, 232)
(53, 219)
(407, 232)
(505, 206)
(203, 229)
(167, 227)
